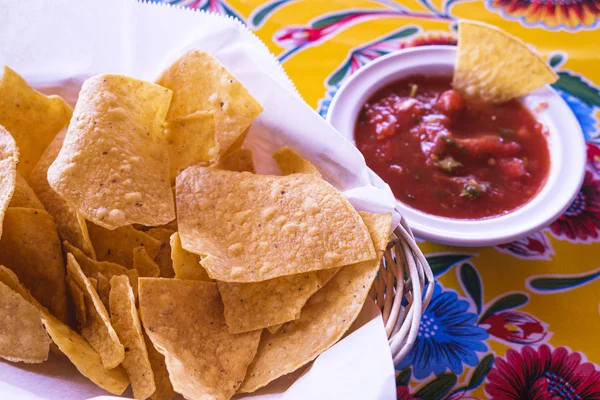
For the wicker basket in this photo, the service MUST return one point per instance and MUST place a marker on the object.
(403, 262)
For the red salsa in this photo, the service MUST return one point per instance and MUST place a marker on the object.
(448, 156)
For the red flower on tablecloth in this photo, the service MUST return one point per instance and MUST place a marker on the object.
(581, 221)
(515, 327)
(533, 247)
(543, 374)
(403, 393)
(552, 14)
(593, 156)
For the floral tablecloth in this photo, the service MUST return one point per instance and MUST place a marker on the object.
(516, 321)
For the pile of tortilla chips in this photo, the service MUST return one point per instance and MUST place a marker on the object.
(253, 277)
(138, 241)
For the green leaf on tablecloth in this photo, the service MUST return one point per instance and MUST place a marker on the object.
(481, 371)
(403, 377)
(442, 262)
(561, 282)
(577, 87)
(438, 387)
(340, 74)
(507, 302)
(400, 34)
(332, 19)
(556, 59)
(472, 284)
(263, 13)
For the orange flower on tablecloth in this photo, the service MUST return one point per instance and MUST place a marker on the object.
(552, 14)
(430, 38)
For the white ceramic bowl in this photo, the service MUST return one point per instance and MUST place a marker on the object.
(565, 141)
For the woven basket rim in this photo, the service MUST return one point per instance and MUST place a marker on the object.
(402, 262)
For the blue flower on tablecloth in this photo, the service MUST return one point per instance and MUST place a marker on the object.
(448, 337)
(584, 114)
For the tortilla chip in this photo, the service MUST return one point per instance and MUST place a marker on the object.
(31, 248)
(113, 166)
(117, 245)
(323, 277)
(201, 83)
(191, 140)
(237, 160)
(186, 264)
(134, 277)
(269, 304)
(238, 142)
(94, 283)
(32, 118)
(184, 320)
(164, 389)
(71, 226)
(9, 156)
(258, 227)
(24, 196)
(87, 361)
(125, 320)
(100, 271)
(163, 258)
(78, 298)
(290, 162)
(325, 318)
(256, 305)
(495, 67)
(144, 265)
(97, 331)
(22, 335)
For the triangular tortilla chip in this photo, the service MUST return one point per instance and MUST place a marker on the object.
(24, 196)
(71, 226)
(238, 160)
(32, 118)
(269, 304)
(251, 228)
(323, 276)
(200, 83)
(184, 320)
(164, 389)
(191, 140)
(87, 361)
(238, 142)
(493, 66)
(31, 248)
(97, 331)
(100, 271)
(290, 162)
(256, 305)
(117, 245)
(144, 265)
(9, 156)
(186, 264)
(134, 277)
(78, 298)
(113, 166)
(163, 258)
(22, 335)
(125, 320)
(325, 318)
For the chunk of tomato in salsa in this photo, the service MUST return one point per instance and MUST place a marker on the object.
(449, 156)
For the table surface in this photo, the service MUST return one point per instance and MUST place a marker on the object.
(516, 321)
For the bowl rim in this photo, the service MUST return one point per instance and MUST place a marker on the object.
(565, 140)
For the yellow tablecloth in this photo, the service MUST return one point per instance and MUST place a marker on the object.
(517, 321)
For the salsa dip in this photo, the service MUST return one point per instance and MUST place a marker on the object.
(463, 173)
